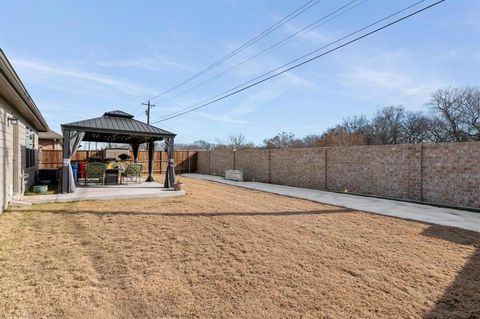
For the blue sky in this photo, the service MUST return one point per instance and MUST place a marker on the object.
(79, 59)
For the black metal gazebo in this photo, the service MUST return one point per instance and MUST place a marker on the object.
(115, 127)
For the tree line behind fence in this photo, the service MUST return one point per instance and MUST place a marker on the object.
(185, 161)
(451, 115)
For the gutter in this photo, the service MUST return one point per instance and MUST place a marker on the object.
(13, 79)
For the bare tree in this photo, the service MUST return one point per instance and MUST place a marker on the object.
(311, 140)
(359, 125)
(235, 141)
(459, 109)
(387, 124)
(449, 104)
(472, 113)
(438, 130)
(282, 140)
(356, 124)
(340, 137)
(197, 145)
(416, 128)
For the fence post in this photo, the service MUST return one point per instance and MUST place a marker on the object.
(189, 163)
(234, 151)
(269, 165)
(325, 168)
(161, 161)
(209, 168)
(421, 172)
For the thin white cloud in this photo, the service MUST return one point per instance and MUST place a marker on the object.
(221, 118)
(407, 84)
(264, 96)
(147, 63)
(312, 35)
(53, 71)
(254, 101)
(297, 80)
(391, 87)
(390, 77)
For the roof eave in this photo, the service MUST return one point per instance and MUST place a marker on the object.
(16, 93)
(100, 130)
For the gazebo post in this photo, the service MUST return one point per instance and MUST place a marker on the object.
(170, 173)
(151, 154)
(71, 142)
(65, 170)
(135, 148)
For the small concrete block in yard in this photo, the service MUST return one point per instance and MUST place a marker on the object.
(19, 203)
(234, 175)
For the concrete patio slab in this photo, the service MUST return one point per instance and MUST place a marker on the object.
(413, 211)
(107, 192)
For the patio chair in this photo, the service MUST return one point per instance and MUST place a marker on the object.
(96, 171)
(132, 172)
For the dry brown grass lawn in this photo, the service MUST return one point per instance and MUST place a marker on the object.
(226, 252)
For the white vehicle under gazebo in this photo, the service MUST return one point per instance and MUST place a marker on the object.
(115, 127)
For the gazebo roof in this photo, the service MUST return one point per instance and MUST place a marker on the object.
(117, 126)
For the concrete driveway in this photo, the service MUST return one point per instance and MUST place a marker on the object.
(419, 212)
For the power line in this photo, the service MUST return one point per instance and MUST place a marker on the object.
(304, 56)
(261, 35)
(284, 41)
(192, 138)
(203, 104)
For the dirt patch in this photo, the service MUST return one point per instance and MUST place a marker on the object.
(224, 252)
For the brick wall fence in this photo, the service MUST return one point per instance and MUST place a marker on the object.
(447, 173)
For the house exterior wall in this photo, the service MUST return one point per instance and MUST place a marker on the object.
(7, 162)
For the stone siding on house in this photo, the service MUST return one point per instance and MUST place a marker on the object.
(8, 163)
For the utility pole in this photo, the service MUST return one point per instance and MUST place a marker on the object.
(151, 145)
(147, 111)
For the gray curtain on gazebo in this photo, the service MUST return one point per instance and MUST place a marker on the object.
(135, 148)
(71, 142)
(170, 174)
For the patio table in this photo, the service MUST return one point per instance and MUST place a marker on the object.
(112, 176)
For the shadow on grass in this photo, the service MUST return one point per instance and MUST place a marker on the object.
(462, 297)
(194, 214)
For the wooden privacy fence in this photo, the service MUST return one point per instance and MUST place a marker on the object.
(185, 161)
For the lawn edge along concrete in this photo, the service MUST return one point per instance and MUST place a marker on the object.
(394, 208)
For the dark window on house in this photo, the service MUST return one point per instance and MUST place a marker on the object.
(30, 157)
(30, 152)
